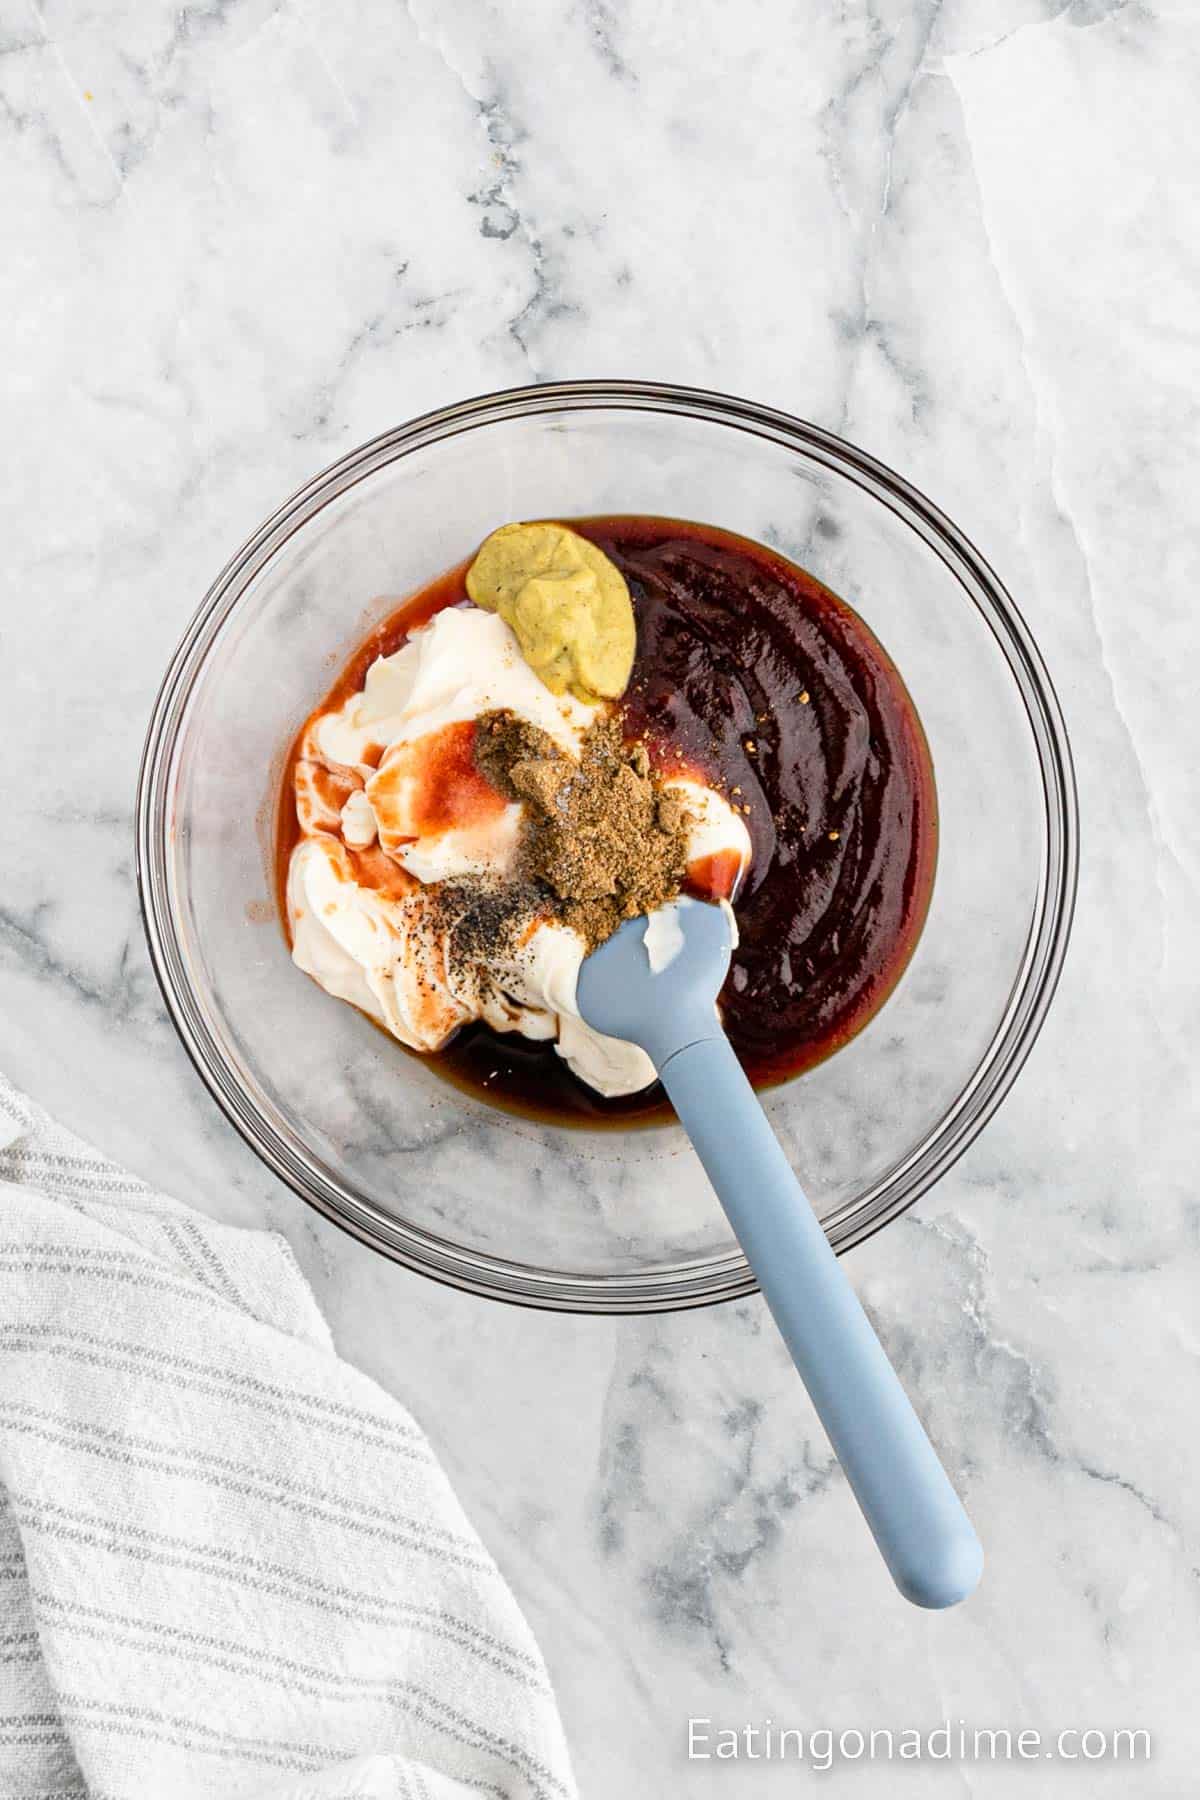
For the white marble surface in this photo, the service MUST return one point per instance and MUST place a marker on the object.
(241, 238)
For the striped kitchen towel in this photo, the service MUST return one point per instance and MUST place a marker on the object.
(229, 1563)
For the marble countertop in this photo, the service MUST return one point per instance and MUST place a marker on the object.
(242, 237)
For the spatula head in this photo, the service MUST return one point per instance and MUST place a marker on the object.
(659, 990)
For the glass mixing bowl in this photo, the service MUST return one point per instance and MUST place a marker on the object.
(552, 1215)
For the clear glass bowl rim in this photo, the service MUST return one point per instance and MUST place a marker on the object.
(662, 1288)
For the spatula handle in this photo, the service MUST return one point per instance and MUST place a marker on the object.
(917, 1518)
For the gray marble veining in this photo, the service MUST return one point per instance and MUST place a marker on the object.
(240, 239)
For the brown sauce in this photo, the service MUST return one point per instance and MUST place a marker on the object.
(751, 672)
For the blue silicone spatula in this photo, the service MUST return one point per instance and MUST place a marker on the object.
(661, 993)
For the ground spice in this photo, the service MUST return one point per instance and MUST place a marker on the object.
(484, 918)
(602, 838)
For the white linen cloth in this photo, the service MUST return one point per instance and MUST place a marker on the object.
(229, 1563)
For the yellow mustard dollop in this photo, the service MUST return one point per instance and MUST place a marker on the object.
(567, 603)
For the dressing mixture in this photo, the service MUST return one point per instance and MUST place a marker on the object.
(490, 787)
